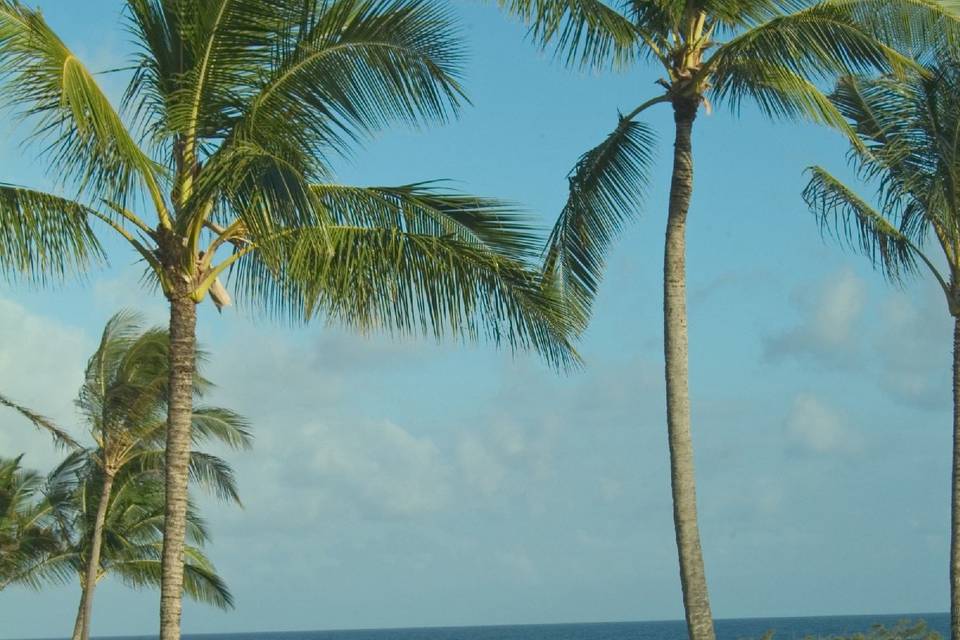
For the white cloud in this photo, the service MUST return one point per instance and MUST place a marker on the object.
(828, 331)
(375, 468)
(482, 469)
(913, 345)
(813, 426)
(41, 367)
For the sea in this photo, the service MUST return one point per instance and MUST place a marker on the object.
(730, 629)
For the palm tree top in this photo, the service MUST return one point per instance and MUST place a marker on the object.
(778, 54)
(908, 152)
(725, 48)
(220, 164)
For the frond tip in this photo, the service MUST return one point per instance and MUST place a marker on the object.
(607, 186)
(845, 216)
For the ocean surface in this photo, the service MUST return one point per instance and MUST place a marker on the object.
(732, 629)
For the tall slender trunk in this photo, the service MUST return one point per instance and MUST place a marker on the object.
(81, 629)
(183, 322)
(955, 492)
(693, 581)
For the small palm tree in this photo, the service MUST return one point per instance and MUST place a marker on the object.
(124, 403)
(26, 537)
(237, 109)
(60, 511)
(774, 53)
(907, 133)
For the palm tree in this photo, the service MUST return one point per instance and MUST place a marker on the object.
(773, 52)
(61, 515)
(907, 133)
(26, 537)
(237, 108)
(123, 401)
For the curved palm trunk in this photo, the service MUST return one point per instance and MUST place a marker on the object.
(955, 491)
(693, 579)
(81, 629)
(183, 322)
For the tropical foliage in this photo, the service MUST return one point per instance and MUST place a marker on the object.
(236, 111)
(774, 54)
(46, 520)
(908, 150)
(27, 535)
(101, 511)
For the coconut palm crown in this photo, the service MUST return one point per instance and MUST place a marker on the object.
(223, 165)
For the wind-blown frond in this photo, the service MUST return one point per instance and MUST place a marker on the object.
(583, 32)
(607, 187)
(86, 141)
(353, 66)
(847, 217)
(221, 425)
(42, 235)
(778, 91)
(60, 436)
(201, 582)
(816, 43)
(409, 283)
(424, 208)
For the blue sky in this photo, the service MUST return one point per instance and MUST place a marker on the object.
(409, 483)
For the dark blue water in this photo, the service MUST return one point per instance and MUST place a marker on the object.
(734, 629)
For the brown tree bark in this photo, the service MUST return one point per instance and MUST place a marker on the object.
(955, 492)
(183, 321)
(693, 581)
(81, 628)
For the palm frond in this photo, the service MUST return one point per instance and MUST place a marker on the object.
(583, 32)
(60, 436)
(43, 235)
(778, 91)
(850, 219)
(409, 283)
(221, 425)
(607, 187)
(816, 43)
(85, 139)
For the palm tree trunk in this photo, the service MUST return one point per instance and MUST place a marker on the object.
(183, 321)
(693, 579)
(955, 491)
(81, 629)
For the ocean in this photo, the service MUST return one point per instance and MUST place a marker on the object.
(731, 629)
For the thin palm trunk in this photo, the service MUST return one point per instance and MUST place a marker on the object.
(693, 579)
(955, 491)
(81, 629)
(183, 321)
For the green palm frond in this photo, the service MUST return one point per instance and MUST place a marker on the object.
(408, 283)
(60, 436)
(778, 91)
(607, 187)
(583, 32)
(85, 139)
(816, 43)
(426, 209)
(209, 472)
(42, 235)
(201, 582)
(221, 425)
(355, 65)
(850, 219)
(920, 29)
(31, 551)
